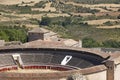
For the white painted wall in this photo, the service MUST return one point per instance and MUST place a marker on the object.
(97, 76)
(117, 72)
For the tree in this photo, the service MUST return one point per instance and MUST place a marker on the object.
(16, 35)
(67, 21)
(89, 42)
(111, 44)
(13, 33)
(108, 23)
(118, 10)
(118, 16)
(45, 21)
(4, 36)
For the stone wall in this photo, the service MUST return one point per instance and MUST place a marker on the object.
(49, 76)
(35, 36)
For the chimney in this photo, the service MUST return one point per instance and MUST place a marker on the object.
(80, 43)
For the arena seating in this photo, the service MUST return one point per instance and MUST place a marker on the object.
(57, 58)
(48, 58)
(74, 61)
(84, 64)
(6, 60)
(36, 58)
(27, 58)
(53, 57)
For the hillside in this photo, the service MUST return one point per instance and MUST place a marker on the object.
(96, 1)
(77, 19)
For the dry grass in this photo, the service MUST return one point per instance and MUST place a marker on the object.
(26, 17)
(109, 27)
(100, 21)
(107, 13)
(101, 10)
(2, 18)
(20, 17)
(82, 14)
(39, 16)
(31, 25)
(113, 9)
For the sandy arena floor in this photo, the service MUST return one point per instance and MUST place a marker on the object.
(33, 71)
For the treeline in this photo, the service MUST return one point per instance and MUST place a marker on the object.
(90, 43)
(13, 33)
(62, 21)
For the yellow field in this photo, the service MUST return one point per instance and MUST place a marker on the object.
(100, 21)
(109, 27)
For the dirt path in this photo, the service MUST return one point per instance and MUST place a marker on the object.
(100, 21)
(109, 27)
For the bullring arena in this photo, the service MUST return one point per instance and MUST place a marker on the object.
(56, 63)
(46, 60)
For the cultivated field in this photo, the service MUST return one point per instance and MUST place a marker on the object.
(46, 8)
(69, 19)
(110, 9)
(94, 5)
(13, 2)
(101, 7)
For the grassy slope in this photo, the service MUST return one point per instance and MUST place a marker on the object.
(73, 31)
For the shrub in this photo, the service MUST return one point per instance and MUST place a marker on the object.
(89, 42)
(45, 21)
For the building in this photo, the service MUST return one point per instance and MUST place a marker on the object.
(38, 35)
(42, 34)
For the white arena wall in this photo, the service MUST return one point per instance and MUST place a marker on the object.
(97, 76)
(117, 72)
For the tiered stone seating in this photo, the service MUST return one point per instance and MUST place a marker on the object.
(6, 60)
(47, 58)
(27, 58)
(84, 64)
(53, 58)
(74, 61)
(36, 58)
(57, 58)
